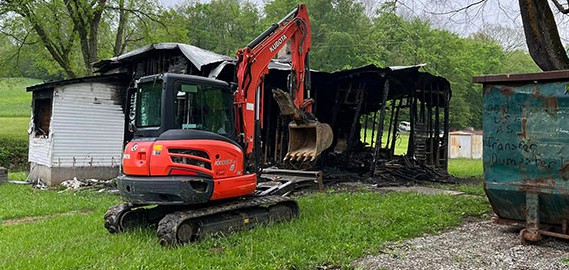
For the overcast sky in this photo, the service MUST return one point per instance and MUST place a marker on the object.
(168, 3)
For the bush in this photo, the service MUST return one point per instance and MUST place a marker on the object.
(14, 154)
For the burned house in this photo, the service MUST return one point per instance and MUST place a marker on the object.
(364, 107)
(79, 127)
(160, 58)
(370, 102)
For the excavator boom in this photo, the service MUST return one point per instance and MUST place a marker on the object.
(307, 137)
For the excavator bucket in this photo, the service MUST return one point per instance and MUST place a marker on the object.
(306, 138)
(307, 141)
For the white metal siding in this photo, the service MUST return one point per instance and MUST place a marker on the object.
(87, 127)
(460, 146)
(39, 149)
(477, 146)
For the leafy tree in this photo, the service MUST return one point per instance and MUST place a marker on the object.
(338, 29)
(446, 55)
(222, 26)
(345, 34)
(75, 20)
(519, 61)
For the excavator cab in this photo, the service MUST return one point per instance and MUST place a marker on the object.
(177, 101)
(184, 171)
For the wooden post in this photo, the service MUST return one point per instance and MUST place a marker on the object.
(3, 175)
(378, 141)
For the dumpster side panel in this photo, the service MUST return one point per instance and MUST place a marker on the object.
(526, 149)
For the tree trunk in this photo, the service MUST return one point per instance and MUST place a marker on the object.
(58, 50)
(86, 18)
(542, 37)
(121, 28)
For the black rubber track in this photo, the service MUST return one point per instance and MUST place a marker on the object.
(167, 227)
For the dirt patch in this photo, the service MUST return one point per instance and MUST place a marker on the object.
(478, 245)
(16, 221)
(350, 187)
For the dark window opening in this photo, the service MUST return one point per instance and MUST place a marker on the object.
(42, 116)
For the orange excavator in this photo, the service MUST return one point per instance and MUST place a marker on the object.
(193, 165)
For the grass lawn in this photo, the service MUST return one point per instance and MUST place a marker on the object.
(14, 128)
(334, 228)
(14, 98)
(401, 143)
(469, 169)
(15, 107)
(466, 168)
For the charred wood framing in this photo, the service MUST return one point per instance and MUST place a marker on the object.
(378, 140)
(387, 96)
(364, 106)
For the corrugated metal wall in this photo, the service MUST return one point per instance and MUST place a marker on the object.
(39, 150)
(477, 146)
(460, 146)
(465, 145)
(87, 125)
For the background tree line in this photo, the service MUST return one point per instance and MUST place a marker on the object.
(345, 35)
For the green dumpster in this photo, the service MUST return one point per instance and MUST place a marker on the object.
(526, 151)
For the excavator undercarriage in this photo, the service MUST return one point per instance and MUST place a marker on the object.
(177, 225)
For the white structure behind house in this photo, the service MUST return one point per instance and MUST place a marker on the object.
(76, 130)
(465, 144)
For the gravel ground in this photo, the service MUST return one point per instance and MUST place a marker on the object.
(478, 245)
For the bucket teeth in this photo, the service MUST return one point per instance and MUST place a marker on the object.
(308, 140)
(289, 157)
(300, 156)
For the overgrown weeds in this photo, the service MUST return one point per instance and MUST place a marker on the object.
(14, 154)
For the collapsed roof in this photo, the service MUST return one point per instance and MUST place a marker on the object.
(197, 56)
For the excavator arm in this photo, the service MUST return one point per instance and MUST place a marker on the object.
(253, 62)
